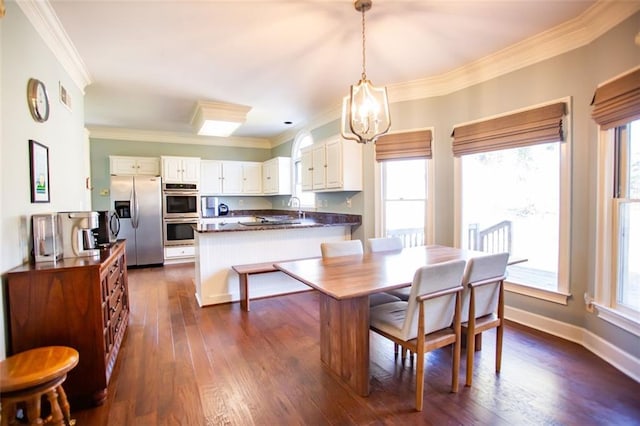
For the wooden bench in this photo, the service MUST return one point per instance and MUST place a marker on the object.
(244, 271)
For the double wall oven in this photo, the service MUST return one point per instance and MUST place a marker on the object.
(180, 212)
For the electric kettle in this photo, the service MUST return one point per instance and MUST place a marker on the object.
(223, 209)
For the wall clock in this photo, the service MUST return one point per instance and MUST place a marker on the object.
(38, 100)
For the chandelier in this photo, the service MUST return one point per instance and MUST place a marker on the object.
(365, 112)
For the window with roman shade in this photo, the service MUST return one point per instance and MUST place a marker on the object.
(404, 146)
(617, 102)
(531, 127)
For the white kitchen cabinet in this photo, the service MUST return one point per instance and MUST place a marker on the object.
(119, 165)
(276, 176)
(231, 178)
(210, 177)
(181, 169)
(306, 166)
(333, 165)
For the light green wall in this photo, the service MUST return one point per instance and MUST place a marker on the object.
(23, 55)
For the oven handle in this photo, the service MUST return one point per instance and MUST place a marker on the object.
(182, 193)
(182, 220)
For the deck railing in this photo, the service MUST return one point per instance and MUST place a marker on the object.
(494, 239)
(411, 237)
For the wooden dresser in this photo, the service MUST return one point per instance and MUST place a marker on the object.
(80, 302)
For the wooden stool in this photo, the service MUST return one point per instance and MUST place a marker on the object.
(28, 376)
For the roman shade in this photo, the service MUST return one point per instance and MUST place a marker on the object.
(530, 127)
(406, 145)
(618, 101)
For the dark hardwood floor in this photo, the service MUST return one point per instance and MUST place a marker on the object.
(183, 365)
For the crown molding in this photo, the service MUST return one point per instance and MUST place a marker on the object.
(580, 31)
(577, 32)
(115, 133)
(46, 23)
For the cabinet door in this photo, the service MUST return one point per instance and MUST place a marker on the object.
(148, 166)
(252, 178)
(122, 165)
(232, 177)
(319, 167)
(306, 169)
(334, 164)
(172, 169)
(270, 177)
(191, 170)
(210, 177)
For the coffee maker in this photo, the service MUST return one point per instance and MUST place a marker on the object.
(77, 234)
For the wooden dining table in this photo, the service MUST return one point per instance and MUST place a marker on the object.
(345, 284)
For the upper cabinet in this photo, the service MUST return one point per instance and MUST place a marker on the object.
(134, 165)
(231, 178)
(180, 169)
(210, 177)
(276, 176)
(333, 165)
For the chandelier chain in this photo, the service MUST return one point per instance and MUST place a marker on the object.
(364, 66)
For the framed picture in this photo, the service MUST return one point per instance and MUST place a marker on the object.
(39, 166)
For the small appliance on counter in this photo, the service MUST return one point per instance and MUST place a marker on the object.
(46, 230)
(108, 228)
(77, 234)
(223, 209)
(209, 207)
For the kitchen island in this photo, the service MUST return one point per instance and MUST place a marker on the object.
(221, 245)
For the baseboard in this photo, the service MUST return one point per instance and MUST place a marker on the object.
(620, 359)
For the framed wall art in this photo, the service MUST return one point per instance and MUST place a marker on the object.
(39, 169)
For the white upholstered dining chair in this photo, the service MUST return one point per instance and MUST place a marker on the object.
(384, 244)
(483, 304)
(348, 248)
(341, 248)
(429, 320)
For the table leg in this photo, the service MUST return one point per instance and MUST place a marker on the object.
(344, 340)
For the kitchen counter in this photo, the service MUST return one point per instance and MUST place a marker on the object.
(292, 223)
(219, 246)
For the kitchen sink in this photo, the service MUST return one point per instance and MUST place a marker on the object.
(270, 222)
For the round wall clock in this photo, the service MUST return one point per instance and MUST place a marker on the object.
(38, 100)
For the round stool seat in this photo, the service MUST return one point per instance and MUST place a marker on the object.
(27, 376)
(35, 366)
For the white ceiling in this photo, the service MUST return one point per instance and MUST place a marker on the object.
(290, 60)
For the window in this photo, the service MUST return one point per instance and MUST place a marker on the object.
(626, 201)
(514, 195)
(616, 109)
(307, 199)
(403, 202)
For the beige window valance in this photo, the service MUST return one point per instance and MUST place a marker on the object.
(530, 127)
(406, 145)
(617, 102)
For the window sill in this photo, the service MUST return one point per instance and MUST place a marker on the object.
(625, 322)
(548, 295)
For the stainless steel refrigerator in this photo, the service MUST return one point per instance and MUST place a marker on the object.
(138, 202)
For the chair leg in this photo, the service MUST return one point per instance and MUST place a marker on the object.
(499, 332)
(470, 353)
(456, 365)
(420, 382)
(395, 351)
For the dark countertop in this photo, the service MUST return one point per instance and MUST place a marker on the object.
(312, 220)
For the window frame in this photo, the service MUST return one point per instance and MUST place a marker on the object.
(296, 147)
(606, 267)
(562, 292)
(429, 226)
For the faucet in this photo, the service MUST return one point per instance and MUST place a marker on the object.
(291, 204)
